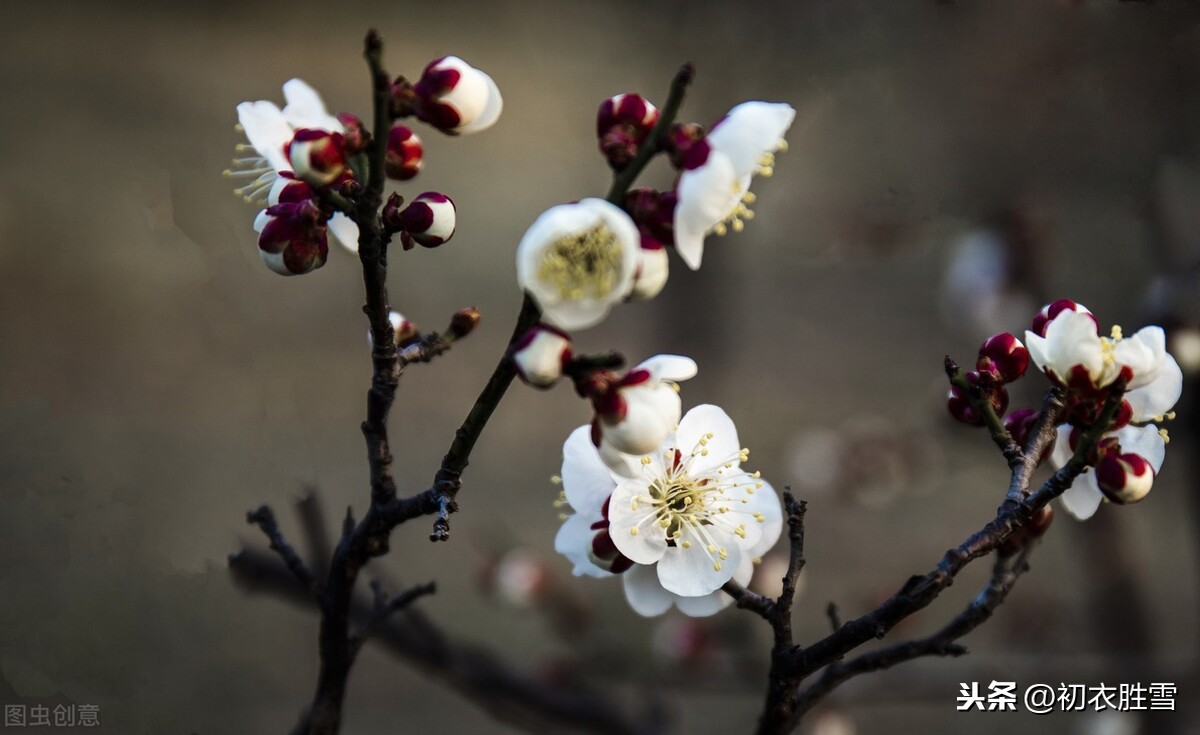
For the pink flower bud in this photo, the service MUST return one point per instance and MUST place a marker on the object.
(456, 98)
(622, 124)
(404, 153)
(1124, 478)
(540, 354)
(317, 156)
(428, 221)
(1004, 357)
(293, 239)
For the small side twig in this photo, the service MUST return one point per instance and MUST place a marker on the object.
(831, 612)
(384, 608)
(264, 518)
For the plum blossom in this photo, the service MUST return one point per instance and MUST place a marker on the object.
(577, 260)
(1128, 459)
(457, 98)
(714, 186)
(270, 131)
(540, 354)
(1073, 353)
(687, 523)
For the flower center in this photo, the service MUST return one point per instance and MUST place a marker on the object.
(583, 264)
(677, 500)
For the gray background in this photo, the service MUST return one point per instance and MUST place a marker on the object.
(156, 381)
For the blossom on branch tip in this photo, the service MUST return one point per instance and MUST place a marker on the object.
(317, 157)
(622, 124)
(270, 131)
(1127, 462)
(1003, 358)
(428, 221)
(577, 260)
(457, 98)
(1074, 355)
(540, 354)
(713, 187)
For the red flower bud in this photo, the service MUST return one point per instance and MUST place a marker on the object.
(404, 153)
(1004, 356)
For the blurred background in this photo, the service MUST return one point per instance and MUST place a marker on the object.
(952, 167)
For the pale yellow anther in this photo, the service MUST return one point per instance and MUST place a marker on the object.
(685, 544)
(757, 474)
(633, 532)
(709, 435)
(704, 452)
(663, 523)
(646, 460)
(758, 485)
(723, 553)
(757, 516)
(720, 229)
(748, 215)
(716, 566)
(1165, 436)
(1169, 415)
(238, 127)
(563, 516)
(749, 491)
(555, 480)
(745, 501)
(703, 441)
(749, 197)
(757, 560)
(1116, 333)
(782, 147)
(740, 531)
(711, 549)
(738, 225)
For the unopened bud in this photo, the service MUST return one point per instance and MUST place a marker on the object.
(622, 124)
(1053, 309)
(1124, 478)
(686, 146)
(428, 221)
(293, 239)
(404, 153)
(540, 355)
(1004, 356)
(464, 322)
(317, 156)
(455, 97)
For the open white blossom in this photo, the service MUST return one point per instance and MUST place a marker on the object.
(693, 511)
(1126, 479)
(1074, 354)
(577, 260)
(695, 518)
(269, 130)
(714, 188)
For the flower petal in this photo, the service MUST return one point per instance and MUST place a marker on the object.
(267, 130)
(1143, 353)
(344, 231)
(1036, 344)
(645, 595)
(702, 606)
(1083, 497)
(1144, 441)
(1160, 395)
(695, 571)
(305, 109)
(573, 541)
(721, 448)
(706, 195)
(586, 481)
(749, 131)
(766, 501)
(622, 465)
(491, 110)
(1071, 339)
(632, 523)
(670, 367)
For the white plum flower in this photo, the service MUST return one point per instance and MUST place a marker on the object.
(1073, 353)
(702, 518)
(457, 98)
(1130, 457)
(714, 186)
(269, 131)
(540, 354)
(577, 260)
(693, 511)
(637, 412)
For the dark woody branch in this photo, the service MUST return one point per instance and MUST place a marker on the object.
(482, 679)
(791, 665)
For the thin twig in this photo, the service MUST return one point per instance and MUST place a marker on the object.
(264, 518)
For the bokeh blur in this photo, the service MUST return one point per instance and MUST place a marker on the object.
(952, 166)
